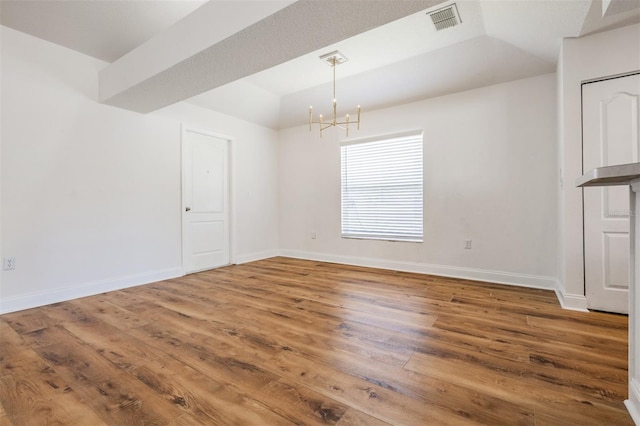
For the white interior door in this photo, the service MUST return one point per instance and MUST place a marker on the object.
(610, 117)
(205, 209)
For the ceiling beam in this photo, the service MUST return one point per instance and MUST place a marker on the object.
(225, 41)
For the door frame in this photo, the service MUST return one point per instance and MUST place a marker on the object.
(230, 188)
(582, 84)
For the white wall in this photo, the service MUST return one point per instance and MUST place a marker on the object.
(1, 259)
(599, 55)
(490, 176)
(91, 193)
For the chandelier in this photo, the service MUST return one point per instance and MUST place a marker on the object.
(334, 59)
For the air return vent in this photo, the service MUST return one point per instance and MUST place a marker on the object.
(446, 17)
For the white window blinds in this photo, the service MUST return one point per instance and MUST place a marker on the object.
(382, 188)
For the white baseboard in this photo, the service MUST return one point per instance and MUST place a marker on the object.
(252, 257)
(522, 280)
(573, 302)
(633, 403)
(35, 299)
(32, 300)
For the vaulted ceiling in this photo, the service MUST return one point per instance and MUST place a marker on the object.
(259, 60)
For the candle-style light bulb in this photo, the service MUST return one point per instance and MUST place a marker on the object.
(347, 126)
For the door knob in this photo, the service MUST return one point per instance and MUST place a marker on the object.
(187, 209)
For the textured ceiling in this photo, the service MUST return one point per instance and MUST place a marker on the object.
(103, 29)
(286, 31)
(408, 60)
(275, 75)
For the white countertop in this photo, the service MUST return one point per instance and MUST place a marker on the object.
(621, 174)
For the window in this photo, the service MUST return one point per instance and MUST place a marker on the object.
(382, 188)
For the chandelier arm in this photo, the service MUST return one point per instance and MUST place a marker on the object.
(347, 123)
(337, 123)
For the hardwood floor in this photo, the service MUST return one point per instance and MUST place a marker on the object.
(285, 341)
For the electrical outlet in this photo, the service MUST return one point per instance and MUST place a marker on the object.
(9, 263)
(313, 235)
(467, 244)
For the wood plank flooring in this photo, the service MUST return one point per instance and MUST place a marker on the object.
(284, 341)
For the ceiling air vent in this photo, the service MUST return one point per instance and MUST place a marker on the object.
(446, 17)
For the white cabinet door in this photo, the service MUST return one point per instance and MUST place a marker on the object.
(610, 117)
(205, 210)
